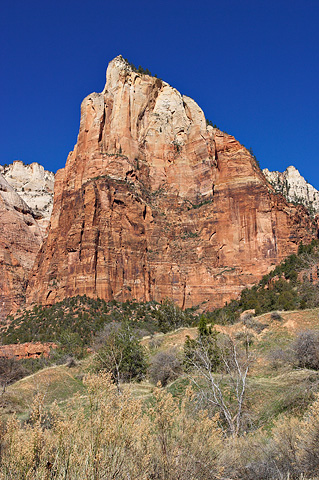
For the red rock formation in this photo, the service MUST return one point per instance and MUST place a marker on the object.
(20, 240)
(153, 203)
(26, 350)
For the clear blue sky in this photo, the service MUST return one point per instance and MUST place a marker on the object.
(252, 66)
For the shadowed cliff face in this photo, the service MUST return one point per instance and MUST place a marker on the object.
(152, 203)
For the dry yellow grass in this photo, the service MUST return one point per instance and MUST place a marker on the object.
(169, 340)
(113, 436)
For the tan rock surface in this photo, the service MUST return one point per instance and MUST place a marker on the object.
(153, 204)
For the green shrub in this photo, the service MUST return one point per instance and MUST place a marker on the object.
(170, 317)
(121, 354)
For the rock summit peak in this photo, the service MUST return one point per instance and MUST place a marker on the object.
(153, 203)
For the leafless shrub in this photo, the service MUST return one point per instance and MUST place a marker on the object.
(285, 447)
(156, 342)
(309, 454)
(250, 322)
(113, 436)
(164, 367)
(11, 370)
(141, 332)
(291, 452)
(246, 317)
(103, 335)
(117, 436)
(306, 349)
(275, 316)
(280, 357)
(248, 458)
(225, 389)
(71, 362)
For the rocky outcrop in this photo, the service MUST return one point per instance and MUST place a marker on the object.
(35, 186)
(20, 240)
(294, 188)
(152, 203)
(26, 350)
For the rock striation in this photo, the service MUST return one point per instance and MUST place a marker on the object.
(20, 240)
(153, 203)
(35, 186)
(294, 188)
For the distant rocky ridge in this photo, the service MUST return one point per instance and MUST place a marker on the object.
(26, 199)
(294, 188)
(20, 240)
(34, 185)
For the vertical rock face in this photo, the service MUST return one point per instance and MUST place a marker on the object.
(35, 186)
(153, 203)
(20, 240)
(294, 188)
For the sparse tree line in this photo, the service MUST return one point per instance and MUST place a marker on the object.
(74, 322)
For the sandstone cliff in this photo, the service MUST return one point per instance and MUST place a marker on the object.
(294, 188)
(20, 240)
(152, 203)
(35, 186)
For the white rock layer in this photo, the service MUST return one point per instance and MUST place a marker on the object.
(294, 187)
(34, 185)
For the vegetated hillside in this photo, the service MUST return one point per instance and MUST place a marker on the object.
(269, 336)
(293, 284)
(82, 317)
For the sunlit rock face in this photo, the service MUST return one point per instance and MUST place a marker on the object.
(152, 203)
(294, 188)
(20, 240)
(19, 351)
(35, 186)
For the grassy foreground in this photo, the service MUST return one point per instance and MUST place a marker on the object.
(64, 422)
